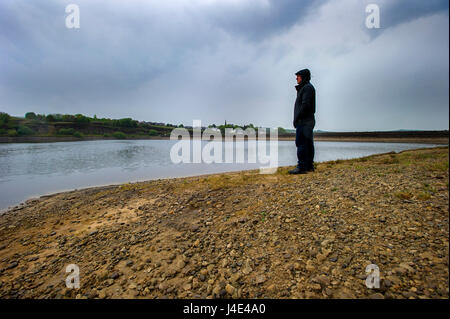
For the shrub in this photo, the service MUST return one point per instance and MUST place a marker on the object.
(80, 118)
(106, 135)
(281, 131)
(2, 131)
(66, 131)
(12, 133)
(68, 118)
(30, 116)
(119, 135)
(126, 122)
(78, 134)
(24, 130)
(4, 118)
(153, 132)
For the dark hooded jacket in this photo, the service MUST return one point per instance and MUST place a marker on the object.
(305, 104)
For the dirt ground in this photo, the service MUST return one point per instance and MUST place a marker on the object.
(241, 234)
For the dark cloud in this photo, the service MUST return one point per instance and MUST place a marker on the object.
(235, 60)
(258, 19)
(401, 11)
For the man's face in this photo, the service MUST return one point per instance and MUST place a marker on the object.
(299, 79)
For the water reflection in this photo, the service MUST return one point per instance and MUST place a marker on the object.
(28, 170)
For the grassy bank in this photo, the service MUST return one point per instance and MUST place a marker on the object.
(241, 234)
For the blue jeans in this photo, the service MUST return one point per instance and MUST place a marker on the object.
(305, 144)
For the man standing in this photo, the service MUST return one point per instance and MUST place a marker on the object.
(304, 122)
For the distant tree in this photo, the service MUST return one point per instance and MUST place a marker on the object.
(181, 125)
(50, 118)
(4, 119)
(127, 122)
(24, 130)
(68, 118)
(80, 118)
(30, 116)
(281, 131)
(58, 117)
(153, 132)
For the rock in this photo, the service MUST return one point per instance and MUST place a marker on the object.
(407, 267)
(163, 286)
(247, 269)
(180, 264)
(310, 265)
(344, 293)
(376, 296)
(187, 287)
(216, 291)
(322, 280)
(101, 294)
(229, 289)
(12, 265)
(260, 279)
(109, 282)
(114, 275)
(315, 287)
(132, 286)
(93, 294)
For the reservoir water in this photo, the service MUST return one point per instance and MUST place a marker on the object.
(34, 169)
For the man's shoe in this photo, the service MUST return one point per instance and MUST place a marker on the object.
(298, 170)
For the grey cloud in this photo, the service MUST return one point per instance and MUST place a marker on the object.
(173, 62)
(256, 22)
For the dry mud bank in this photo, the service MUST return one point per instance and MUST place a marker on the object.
(241, 235)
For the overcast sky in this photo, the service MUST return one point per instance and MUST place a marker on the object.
(235, 60)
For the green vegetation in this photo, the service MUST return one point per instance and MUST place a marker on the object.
(281, 131)
(69, 125)
(263, 216)
(12, 133)
(30, 116)
(4, 120)
(57, 124)
(119, 135)
(66, 131)
(24, 130)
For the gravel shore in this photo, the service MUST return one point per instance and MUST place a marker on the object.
(241, 234)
